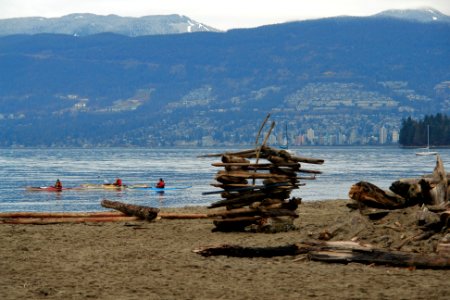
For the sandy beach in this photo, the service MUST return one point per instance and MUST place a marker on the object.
(155, 260)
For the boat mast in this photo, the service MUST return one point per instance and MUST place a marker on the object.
(286, 135)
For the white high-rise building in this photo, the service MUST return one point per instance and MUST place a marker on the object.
(310, 135)
(383, 135)
(395, 136)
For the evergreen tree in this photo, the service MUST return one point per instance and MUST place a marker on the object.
(414, 133)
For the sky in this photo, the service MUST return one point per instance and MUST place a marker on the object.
(222, 15)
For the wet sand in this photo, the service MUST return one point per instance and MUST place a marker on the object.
(155, 260)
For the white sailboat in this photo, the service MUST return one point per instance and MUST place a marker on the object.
(427, 148)
(285, 146)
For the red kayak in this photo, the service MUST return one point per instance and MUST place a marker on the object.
(46, 189)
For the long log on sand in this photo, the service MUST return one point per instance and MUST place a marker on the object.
(63, 217)
(143, 212)
(335, 252)
(60, 214)
(45, 221)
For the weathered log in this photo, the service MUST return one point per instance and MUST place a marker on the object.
(408, 187)
(416, 192)
(302, 247)
(260, 166)
(429, 189)
(256, 212)
(383, 257)
(371, 195)
(335, 252)
(60, 214)
(238, 188)
(292, 181)
(225, 179)
(265, 152)
(243, 174)
(234, 159)
(245, 199)
(143, 212)
(309, 171)
(292, 204)
(57, 220)
(239, 251)
(250, 197)
(233, 213)
(283, 171)
(277, 160)
(250, 153)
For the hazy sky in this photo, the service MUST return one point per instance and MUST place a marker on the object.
(222, 14)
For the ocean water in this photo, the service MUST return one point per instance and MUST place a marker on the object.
(343, 167)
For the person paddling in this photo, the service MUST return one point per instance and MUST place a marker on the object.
(160, 184)
(118, 182)
(58, 185)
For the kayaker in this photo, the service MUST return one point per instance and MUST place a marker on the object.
(58, 185)
(161, 184)
(118, 182)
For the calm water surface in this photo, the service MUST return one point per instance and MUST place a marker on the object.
(343, 167)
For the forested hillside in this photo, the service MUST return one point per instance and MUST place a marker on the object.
(341, 80)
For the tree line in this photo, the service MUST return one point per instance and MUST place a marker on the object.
(415, 132)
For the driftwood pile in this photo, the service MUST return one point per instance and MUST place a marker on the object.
(425, 200)
(256, 186)
(408, 228)
(431, 189)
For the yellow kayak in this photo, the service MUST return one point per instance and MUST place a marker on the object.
(111, 186)
(108, 186)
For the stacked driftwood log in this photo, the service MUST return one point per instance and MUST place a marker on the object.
(256, 187)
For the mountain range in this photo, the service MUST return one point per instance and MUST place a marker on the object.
(343, 80)
(88, 24)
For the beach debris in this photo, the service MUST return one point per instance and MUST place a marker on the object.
(142, 212)
(256, 186)
(423, 203)
(431, 189)
(336, 252)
